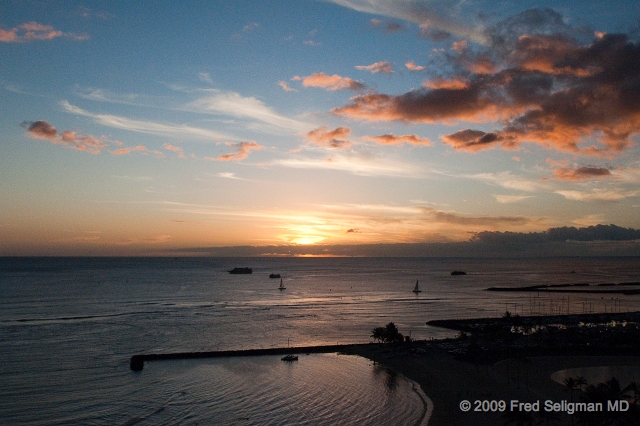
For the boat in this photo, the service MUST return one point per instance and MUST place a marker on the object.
(274, 275)
(416, 289)
(290, 357)
(245, 270)
(282, 287)
(458, 273)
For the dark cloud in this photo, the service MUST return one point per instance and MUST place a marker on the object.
(594, 233)
(391, 139)
(484, 221)
(43, 130)
(40, 129)
(434, 34)
(591, 233)
(504, 34)
(423, 105)
(581, 173)
(539, 79)
(477, 140)
(387, 26)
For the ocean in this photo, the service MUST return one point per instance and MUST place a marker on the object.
(68, 327)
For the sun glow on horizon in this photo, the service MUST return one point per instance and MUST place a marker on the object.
(306, 240)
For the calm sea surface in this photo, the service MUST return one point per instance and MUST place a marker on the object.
(68, 327)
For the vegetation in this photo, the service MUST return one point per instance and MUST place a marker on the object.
(388, 334)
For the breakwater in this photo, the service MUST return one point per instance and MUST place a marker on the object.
(136, 362)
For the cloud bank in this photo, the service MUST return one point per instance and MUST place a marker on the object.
(542, 84)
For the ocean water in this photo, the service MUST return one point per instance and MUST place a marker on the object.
(68, 327)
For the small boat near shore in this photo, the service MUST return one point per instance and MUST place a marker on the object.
(282, 287)
(245, 270)
(416, 289)
(290, 357)
(274, 275)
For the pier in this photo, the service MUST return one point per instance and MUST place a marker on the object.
(137, 361)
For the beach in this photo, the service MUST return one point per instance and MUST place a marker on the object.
(448, 381)
(511, 359)
(513, 369)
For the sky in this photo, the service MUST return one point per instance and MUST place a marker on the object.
(149, 127)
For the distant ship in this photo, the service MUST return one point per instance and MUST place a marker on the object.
(274, 275)
(416, 289)
(458, 273)
(244, 270)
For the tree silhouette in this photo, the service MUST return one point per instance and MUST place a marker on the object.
(388, 334)
(580, 382)
(379, 334)
(570, 384)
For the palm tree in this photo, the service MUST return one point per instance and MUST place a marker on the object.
(379, 334)
(580, 382)
(570, 384)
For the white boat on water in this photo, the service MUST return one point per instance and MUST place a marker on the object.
(282, 287)
(416, 289)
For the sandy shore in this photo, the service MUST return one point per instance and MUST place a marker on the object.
(505, 366)
(447, 381)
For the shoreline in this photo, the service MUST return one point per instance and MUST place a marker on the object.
(447, 371)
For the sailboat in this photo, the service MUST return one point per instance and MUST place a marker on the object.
(290, 357)
(282, 287)
(416, 289)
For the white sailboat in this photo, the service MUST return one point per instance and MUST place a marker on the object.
(282, 287)
(416, 289)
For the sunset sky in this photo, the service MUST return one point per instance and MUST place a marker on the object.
(141, 127)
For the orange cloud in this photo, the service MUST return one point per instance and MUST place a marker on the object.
(43, 130)
(549, 90)
(481, 64)
(383, 67)
(477, 140)
(581, 173)
(391, 139)
(413, 67)
(129, 150)
(175, 149)
(286, 87)
(459, 46)
(551, 54)
(331, 82)
(32, 31)
(456, 83)
(330, 139)
(424, 106)
(242, 151)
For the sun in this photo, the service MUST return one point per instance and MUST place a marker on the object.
(306, 239)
